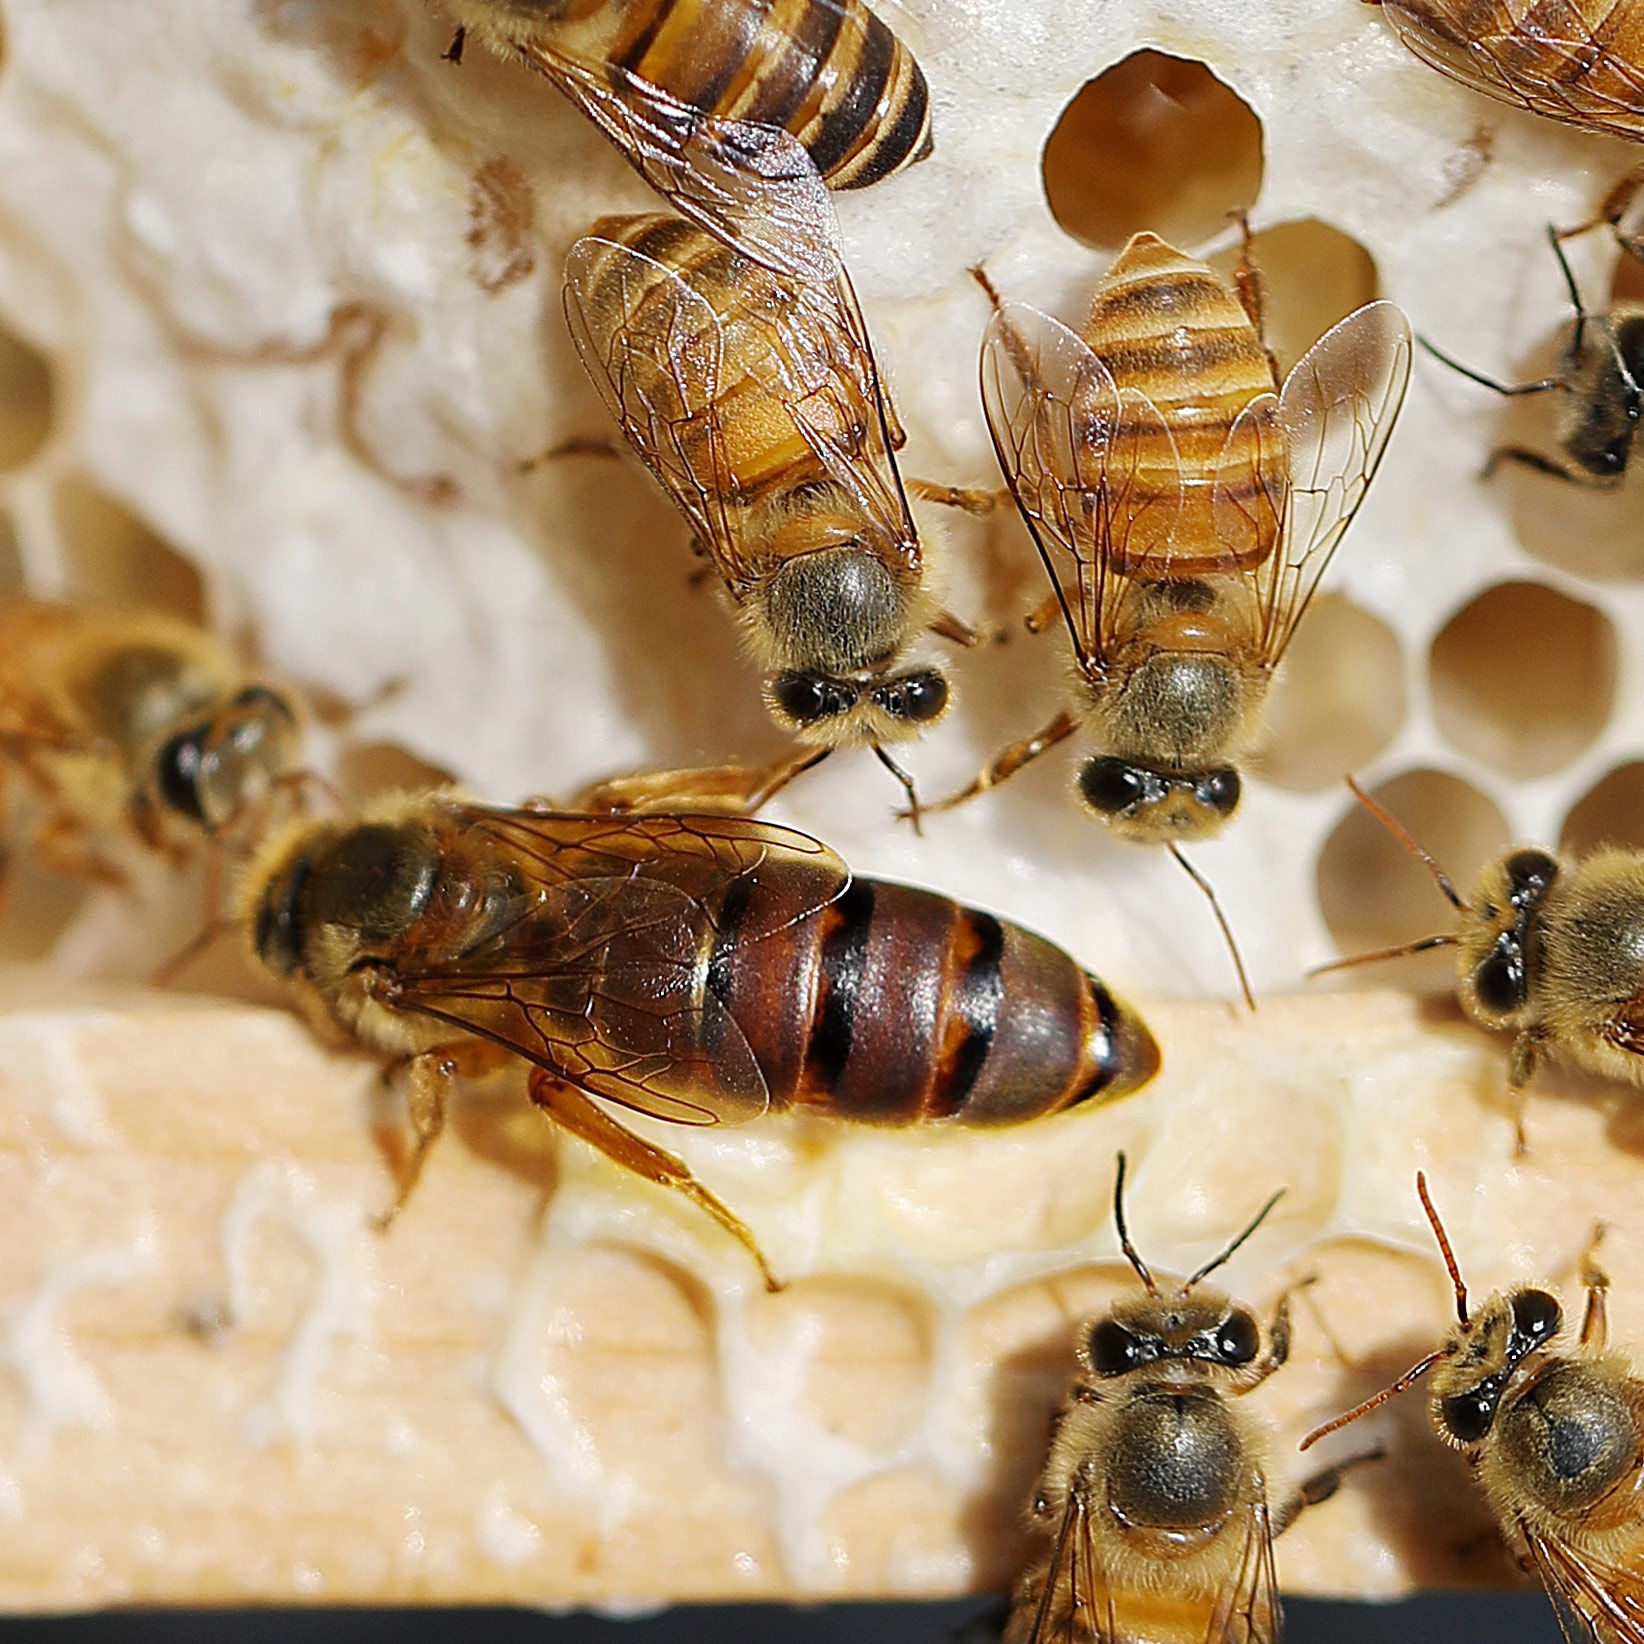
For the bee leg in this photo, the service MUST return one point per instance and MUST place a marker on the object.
(1570, 473)
(1617, 201)
(60, 842)
(577, 1113)
(1595, 1321)
(724, 790)
(432, 1076)
(453, 52)
(970, 499)
(1252, 294)
(950, 627)
(1278, 1337)
(1009, 762)
(1042, 616)
(1521, 1067)
(577, 446)
(1320, 1487)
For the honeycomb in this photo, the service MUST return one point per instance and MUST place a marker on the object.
(282, 357)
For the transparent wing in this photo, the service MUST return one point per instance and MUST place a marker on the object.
(1074, 1604)
(802, 349)
(753, 186)
(1069, 442)
(1527, 60)
(1336, 411)
(592, 967)
(1247, 1609)
(1596, 1603)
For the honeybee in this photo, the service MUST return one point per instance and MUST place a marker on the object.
(1185, 506)
(754, 399)
(1576, 61)
(1154, 1498)
(1601, 372)
(1551, 952)
(701, 969)
(1555, 1440)
(138, 723)
(714, 103)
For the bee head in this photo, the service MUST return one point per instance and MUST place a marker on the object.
(1150, 806)
(1473, 1376)
(1498, 946)
(207, 772)
(829, 711)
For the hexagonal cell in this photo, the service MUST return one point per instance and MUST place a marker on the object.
(1611, 812)
(1373, 893)
(1523, 678)
(1339, 699)
(1155, 142)
(114, 558)
(1313, 275)
(27, 399)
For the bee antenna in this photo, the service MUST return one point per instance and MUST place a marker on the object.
(1124, 1233)
(1221, 919)
(1216, 1261)
(1414, 1373)
(1405, 838)
(1425, 945)
(1444, 1245)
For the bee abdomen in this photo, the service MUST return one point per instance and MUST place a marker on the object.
(898, 1006)
(828, 71)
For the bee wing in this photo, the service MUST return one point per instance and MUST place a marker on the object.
(1486, 47)
(1335, 413)
(1596, 1603)
(1069, 443)
(1074, 1605)
(1247, 1610)
(594, 973)
(753, 186)
(807, 354)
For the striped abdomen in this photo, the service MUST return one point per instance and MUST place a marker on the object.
(1169, 329)
(828, 71)
(732, 426)
(1579, 61)
(896, 1006)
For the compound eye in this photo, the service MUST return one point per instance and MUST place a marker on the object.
(1536, 1317)
(1238, 1339)
(177, 773)
(1500, 982)
(1219, 790)
(807, 698)
(1113, 1349)
(1529, 873)
(1467, 1416)
(919, 698)
(1111, 787)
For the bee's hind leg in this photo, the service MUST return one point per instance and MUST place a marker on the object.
(1320, 1487)
(585, 1119)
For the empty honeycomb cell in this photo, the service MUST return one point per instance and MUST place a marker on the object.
(27, 399)
(1523, 678)
(1312, 276)
(1155, 142)
(1611, 812)
(1373, 893)
(113, 558)
(1339, 699)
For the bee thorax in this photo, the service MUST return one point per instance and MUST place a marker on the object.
(1180, 709)
(1178, 1462)
(835, 611)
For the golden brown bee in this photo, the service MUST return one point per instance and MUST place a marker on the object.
(1154, 1499)
(1555, 1440)
(1185, 505)
(134, 722)
(1602, 375)
(1551, 952)
(1578, 61)
(753, 398)
(697, 968)
(713, 103)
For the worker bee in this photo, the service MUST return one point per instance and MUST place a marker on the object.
(1600, 372)
(137, 723)
(1154, 1498)
(1551, 952)
(1185, 506)
(697, 968)
(1555, 1440)
(713, 104)
(754, 399)
(1576, 61)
